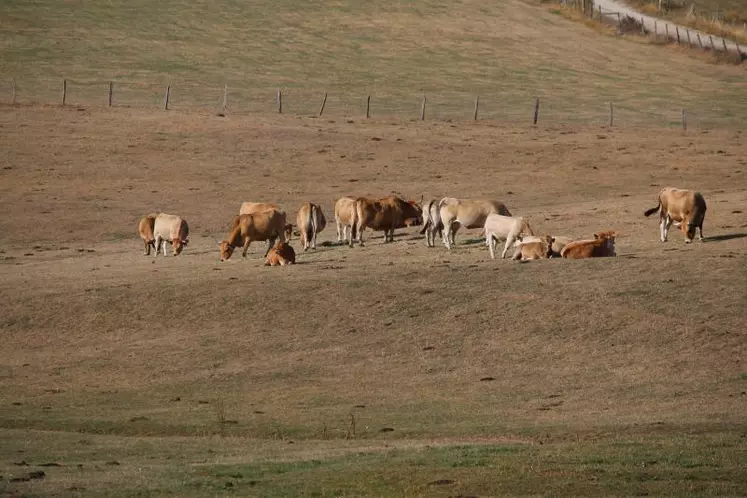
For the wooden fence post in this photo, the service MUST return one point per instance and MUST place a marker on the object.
(166, 98)
(656, 33)
(723, 40)
(689, 42)
(619, 19)
(677, 28)
(64, 91)
(422, 108)
(324, 101)
(700, 42)
(683, 119)
(536, 110)
(643, 26)
(713, 47)
(612, 115)
(225, 98)
(14, 91)
(111, 92)
(280, 101)
(600, 13)
(477, 103)
(368, 107)
(666, 32)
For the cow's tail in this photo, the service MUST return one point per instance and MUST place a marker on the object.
(528, 228)
(312, 222)
(651, 211)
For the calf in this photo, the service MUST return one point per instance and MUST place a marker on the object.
(506, 228)
(603, 245)
(534, 249)
(280, 255)
(558, 243)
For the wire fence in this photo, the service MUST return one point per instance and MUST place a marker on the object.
(441, 106)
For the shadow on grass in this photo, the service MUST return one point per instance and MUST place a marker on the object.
(728, 236)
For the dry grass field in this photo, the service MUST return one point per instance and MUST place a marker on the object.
(383, 370)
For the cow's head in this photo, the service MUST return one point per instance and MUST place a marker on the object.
(413, 214)
(609, 240)
(226, 250)
(549, 240)
(178, 245)
(289, 231)
(689, 230)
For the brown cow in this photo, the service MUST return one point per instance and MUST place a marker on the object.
(345, 218)
(310, 221)
(280, 255)
(385, 215)
(603, 245)
(255, 207)
(265, 225)
(558, 243)
(170, 228)
(685, 208)
(535, 249)
(145, 229)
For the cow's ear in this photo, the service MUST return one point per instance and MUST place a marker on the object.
(596, 235)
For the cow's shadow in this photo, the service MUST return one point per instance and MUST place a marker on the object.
(721, 238)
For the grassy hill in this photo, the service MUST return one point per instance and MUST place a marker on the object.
(508, 52)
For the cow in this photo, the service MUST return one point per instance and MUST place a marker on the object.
(145, 229)
(508, 228)
(385, 215)
(170, 228)
(684, 208)
(558, 243)
(431, 223)
(534, 249)
(266, 225)
(280, 255)
(470, 213)
(310, 221)
(603, 245)
(345, 218)
(255, 207)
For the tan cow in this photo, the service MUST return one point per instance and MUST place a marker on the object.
(603, 245)
(255, 207)
(558, 243)
(431, 223)
(508, 228)
(385, 215)
(345, 218)
(310, 221)
(469, 213)
(170, 228)
(685, 208)
(145, 229)
(280, 255)
(265, 225)
(534, 249)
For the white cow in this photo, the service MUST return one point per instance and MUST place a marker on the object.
(170, 228)
(432, 222)
(508, 228)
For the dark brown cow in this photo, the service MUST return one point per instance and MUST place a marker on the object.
(385, 215)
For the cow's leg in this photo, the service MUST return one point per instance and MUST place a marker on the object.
(700, 231)
(313, 240)
(163, 246)
(662, 228)
(270, 245)
(147, 248)
(340, 233)
(156, 245)
(491, 244)
(247, 241)
(667, 224)
(509, 242)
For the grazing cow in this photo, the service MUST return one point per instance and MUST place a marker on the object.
(508, 228)
(310, 221)
(431, 223)
(603, 245)
(170, 228)
(469, 213)
(345, 218)
(145, 229)
(534, 249)
(266, 225)
(558, 243)
(685, 208)
(385, 215)
(280, 255)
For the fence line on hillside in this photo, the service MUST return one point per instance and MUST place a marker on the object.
(667, 35)
(537, 110)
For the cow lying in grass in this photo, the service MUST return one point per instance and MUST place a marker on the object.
(280, 255)
(603, 245)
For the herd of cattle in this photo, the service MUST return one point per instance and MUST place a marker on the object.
(259, 221)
